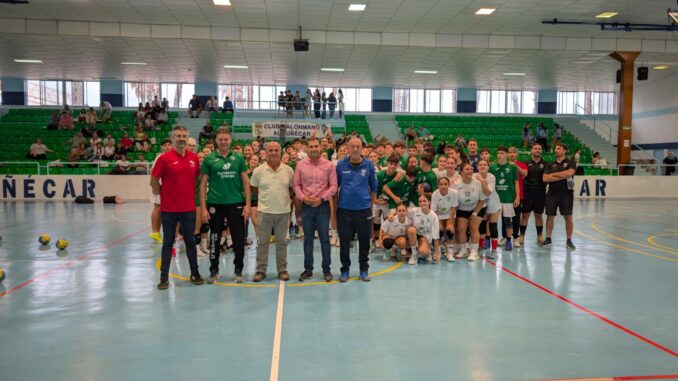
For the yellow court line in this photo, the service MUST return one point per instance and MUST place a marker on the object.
(626, 248)
(268, 285)
(651, 239)
(667, 250)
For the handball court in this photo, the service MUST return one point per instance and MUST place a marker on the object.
(608, 310)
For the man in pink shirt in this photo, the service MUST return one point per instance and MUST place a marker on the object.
(315, 182)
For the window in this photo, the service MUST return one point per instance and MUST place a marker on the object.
(57, 93)
(140, 92)
(421, 100)
(252, 97)
(355, 99)
(0, 91)
(506, 101)
(178, 94)
(587, 102)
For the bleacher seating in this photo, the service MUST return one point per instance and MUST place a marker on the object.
(359, 124)
(20, 127)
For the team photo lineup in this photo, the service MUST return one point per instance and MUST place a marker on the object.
(409, 200)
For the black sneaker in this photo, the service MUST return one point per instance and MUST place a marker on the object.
(328, 277)
(305, 275)
(570, 245)
(163, 285)
(197, 279)
(547, 242)
(214, 276)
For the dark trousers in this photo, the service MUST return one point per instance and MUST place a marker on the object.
(169, 228)
(316, 109)
(350, 222)
(232, 213)
(313, 219)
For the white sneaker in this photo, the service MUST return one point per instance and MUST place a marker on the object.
(300, 233)
(474, 256)
(413, 259)
(450, 257)
(463, 253)
(198, 250)
(428, 258)
(516, 243)
(502, 242)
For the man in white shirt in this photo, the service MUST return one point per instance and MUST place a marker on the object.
(38, 150)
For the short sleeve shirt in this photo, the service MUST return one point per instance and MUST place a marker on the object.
(273, 188)
(506, 176)
(561, 187)
(225, 180)
(179, 175)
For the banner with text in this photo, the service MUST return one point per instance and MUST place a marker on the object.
(292, 129)
(602, 187)
(65, 188)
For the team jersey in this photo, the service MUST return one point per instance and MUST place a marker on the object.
(534, 181)
(506, 176)
(469, 194)
(225, 181)
(442, 204)
(383, 178)
(430, 178)
(493, 202)
(396, 228)
(405, 190)
(454, 178)
(382, 161)
(564, 186)
(521, 178)
(427, 224)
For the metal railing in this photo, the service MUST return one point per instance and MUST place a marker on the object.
(280, 109)
(648, 169)
(600, 126)
(21, 164)
(107, 167)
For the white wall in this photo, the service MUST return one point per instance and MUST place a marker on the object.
(60, 187)
(655, 109)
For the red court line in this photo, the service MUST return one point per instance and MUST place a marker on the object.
(592, 313)
(72, 262)
(656, 377)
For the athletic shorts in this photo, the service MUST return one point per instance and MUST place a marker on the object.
(430, 241)
(379, 208)
(534, 201)
(561, 202)
(155, 199)
(507, 210)
(467, 214)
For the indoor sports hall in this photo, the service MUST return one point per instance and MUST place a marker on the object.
(92, 92)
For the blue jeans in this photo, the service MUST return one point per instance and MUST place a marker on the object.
(312, 219)
(169, 228)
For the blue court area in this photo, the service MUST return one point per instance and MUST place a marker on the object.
(93, 313)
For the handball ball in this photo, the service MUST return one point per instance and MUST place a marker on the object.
(426, 187)
(2, 275)
(44, 239)
(61, 244)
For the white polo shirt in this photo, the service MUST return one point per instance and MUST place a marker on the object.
(274, 188)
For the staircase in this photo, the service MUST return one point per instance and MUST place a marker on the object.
(589, 137)
(383, 125)
(194, 125)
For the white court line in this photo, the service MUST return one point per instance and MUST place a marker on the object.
(275, 358)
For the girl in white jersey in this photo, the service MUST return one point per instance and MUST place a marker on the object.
(424, 232)
(470, 210)
(441, 167)
(393, 232)
(489, 182)
(450, 172)
(444, 202)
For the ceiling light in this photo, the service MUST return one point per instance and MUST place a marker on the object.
(27, 61)
(426, 71)
(485, 11)
(331, 69)
(222, 2)
(133, 63)
(660, 67)
(357, 7)
(236, 66)
(516, 74)
(606, 15)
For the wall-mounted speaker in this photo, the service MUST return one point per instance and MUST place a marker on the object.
(642, 73)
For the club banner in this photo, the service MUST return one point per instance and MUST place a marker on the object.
(292, 128)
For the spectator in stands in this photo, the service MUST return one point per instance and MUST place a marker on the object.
(460, 142)
(422, 132)
(121, 166)
(155, 102)
(81, 152)
(141, 141)
(76, 140)
(557, 135)
(109, 150)
(141, 166)
(282, 99)
(526, 132)
(308, 103)
(410, 134)
(149, 123)
(576, 156)
(53, 121)
(127, 142)
(97, 152)
(162, 117)
(67, 110)
(108, 138)
(82, 117)
(332, 104)
(340, 99)
(66, 121)
(297, 101)
(542, 136)
(95, 140)
(228, 106)
(105, 109)
(323, 98)
(207, 132)
(598, 161)
(289, 104)
(317, 98)
(164, 104)
(38, 151)
(211, 105)
(194, 107)
(670, 162)
(120, 150)
(140, 111)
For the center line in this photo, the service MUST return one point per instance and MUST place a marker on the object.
(275, 358)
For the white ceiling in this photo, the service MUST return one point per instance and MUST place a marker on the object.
(89, 56)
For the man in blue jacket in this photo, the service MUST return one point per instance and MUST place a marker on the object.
(357, 180)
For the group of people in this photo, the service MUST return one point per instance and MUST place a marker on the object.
(313, 104)
(64, 120)
(415, 202)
